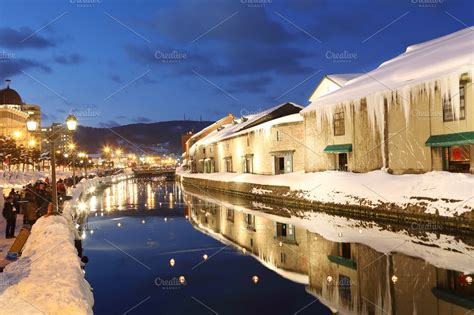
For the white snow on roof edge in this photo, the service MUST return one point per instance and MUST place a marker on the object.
(424, 62)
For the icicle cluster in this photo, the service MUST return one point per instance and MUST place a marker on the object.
(406, 96)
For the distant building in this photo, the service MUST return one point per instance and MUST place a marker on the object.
(189, 160)
(63, 137)
(14, 115)
(184, 138)
(269, 142)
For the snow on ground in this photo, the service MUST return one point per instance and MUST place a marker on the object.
(47, 278)
(449, 194)
(440, 250)
(19, 179)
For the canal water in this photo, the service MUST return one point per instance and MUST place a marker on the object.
(156, 249)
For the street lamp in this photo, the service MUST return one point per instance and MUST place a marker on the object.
(52, 136)
(71, 147)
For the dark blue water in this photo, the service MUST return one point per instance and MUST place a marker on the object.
(138, 227)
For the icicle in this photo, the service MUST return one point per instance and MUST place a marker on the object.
(406, 103)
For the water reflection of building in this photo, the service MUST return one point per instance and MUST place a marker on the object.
(350, 278)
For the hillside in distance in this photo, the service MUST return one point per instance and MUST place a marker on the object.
(159, 137)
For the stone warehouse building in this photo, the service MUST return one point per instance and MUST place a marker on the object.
(412, 114)
(13, 116)
(269, 142)
(190, 160)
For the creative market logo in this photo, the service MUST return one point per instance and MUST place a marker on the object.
(256, 3)
(85, 3)
(341, 57)
(170, 57)
(427, 3)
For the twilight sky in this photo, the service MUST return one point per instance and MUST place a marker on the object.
(115, 62)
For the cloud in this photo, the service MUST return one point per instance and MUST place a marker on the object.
(116, 78)
(14, 66)
(142, 119)
(71, 59)
(236, 23)
(245, 41)
(48, 117)
(249, 85)
(108, 124)
(23, 38)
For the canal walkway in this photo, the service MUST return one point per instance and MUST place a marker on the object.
(48, 277)
(438, 197)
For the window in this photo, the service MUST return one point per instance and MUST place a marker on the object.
(230, 215)
(455, 282)
(285, 232)
(250, 221)
(248, 163)
(279, 135)
(248, 141)
(344, 250)
(283, 258)
(204, 150)
(228, 164)
(345, 289)
(457, 159)
(448, 110)
(338, 122)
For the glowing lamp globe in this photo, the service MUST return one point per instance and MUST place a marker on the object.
(31, 124)
(71, 122)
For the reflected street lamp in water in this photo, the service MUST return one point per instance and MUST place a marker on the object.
(52, 136)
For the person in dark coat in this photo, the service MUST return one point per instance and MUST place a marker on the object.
(9, 213)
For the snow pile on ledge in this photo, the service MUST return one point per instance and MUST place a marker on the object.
(449, 194)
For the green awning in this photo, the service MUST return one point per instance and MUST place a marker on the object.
(460, 138)
(338, 148)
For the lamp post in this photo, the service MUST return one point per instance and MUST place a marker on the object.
(52, 136)
(72, 146)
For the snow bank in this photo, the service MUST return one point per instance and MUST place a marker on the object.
(20, 179)
(47, 278)
(448, 194)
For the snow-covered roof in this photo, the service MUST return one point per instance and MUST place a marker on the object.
(293, 118)
(213, 125)
(251, 122)
(342, 78)
(422, 62)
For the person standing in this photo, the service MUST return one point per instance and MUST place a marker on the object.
(9, 213)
